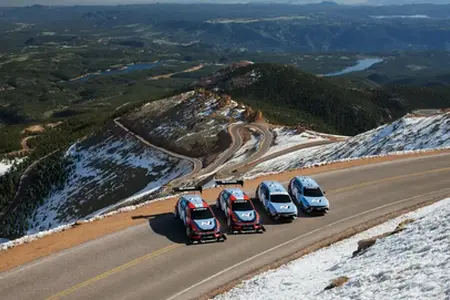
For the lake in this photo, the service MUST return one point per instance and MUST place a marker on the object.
(362, 65)
(124, 70)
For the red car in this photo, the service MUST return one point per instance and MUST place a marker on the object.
(198, 217)
(238, 208)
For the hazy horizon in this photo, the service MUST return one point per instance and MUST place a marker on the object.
(16, 3)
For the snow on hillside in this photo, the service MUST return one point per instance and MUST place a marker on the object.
(193, 123)
(406, 134)
(287, 137)
(248, 148)
(6, 165)
(408, 265)
(108, 168)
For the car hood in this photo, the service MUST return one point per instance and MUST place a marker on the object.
(205, 224)
(283, 207)
(245, 215)
(315, 201)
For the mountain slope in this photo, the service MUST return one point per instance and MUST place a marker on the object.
(406, 134)
(289, 96)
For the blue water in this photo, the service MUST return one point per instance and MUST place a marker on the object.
(130, 68)
(362, 65)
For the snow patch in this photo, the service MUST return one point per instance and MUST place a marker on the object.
(408, 265)
(7, 164)
(100, 173)
(406, 135)
(247, 149)
(286, 138)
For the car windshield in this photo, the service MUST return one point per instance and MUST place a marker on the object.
(280, 198)
(244, 205)
(312, 192)
(203, 213)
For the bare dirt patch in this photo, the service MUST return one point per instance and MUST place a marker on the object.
(90, 231)
(163, 76)
(340, 281)
(34, 129)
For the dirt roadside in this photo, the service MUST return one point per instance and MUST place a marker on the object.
(89, 231)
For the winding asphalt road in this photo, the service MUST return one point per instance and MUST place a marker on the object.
(264, 146)
(151, 261)
(196, 163)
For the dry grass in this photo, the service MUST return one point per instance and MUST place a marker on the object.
(340, 281)
(363, 245)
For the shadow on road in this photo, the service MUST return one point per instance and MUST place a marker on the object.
(166, 225)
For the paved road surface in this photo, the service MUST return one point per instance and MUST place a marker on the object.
(196, 163)
(241, 169)
(427, 112)
(236, 143)
(151, 261)
(264, 146)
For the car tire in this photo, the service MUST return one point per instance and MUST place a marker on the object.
(188, 232)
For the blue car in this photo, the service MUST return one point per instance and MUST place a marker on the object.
(276, 200)
(307, 193)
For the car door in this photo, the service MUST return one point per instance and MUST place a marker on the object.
(183, 211)
(223, 202)
(264, 196)
(296, 190)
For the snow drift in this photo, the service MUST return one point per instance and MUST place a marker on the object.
(408, 265)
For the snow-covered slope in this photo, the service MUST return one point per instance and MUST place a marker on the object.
(406, 134)
(6, 165)
(193, 124)
(287, 137)
(109, 167)
(248, 148)
(412, 264)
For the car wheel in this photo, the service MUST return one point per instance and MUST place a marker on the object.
(175, 213)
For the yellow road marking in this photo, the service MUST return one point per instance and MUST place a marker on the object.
(169, 248)
(363, 184)
(113, 271)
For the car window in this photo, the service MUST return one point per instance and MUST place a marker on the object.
(312, 192)
(241, 205)
(281, 198)
(201, 213)
(225, 197)
(265, 192)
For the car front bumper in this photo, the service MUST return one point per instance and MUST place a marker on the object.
(247, 227)
(207, 235)
(317, 209)
(290, 215)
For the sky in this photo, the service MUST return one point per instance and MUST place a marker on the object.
(114, 2)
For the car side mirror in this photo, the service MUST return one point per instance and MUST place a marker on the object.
(324, 192)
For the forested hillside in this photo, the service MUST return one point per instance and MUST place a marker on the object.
(287, 95)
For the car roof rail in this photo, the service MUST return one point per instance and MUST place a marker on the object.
(229, 182)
